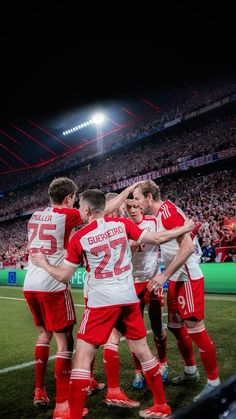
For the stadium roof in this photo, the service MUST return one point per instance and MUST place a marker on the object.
(52, 62)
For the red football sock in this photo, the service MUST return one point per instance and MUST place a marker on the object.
(137, 365)
(111, 364)
(62, 374)
(41, 358)
(160, 343)
(154, 380)
(185, 345)
(207, 351)
(79, 382)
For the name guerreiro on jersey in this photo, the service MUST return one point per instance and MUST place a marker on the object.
(104, 244)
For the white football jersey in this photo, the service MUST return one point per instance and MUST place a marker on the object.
(197, 249)
(145, 258)
(170, 216)
(49, 231)
(104, 244)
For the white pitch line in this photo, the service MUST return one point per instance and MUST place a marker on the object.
(30, 363)
(208, 297)
(76, 305)
(12, 298)
(24, 365)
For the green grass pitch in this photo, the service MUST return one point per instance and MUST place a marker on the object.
(18, 336)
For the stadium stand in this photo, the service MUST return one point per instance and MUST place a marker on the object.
(207, 195)
(165, 151)
(208, 198)
(147, 119)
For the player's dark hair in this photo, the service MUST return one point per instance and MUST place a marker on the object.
(130, 196)
(95, 199)
(61, 187)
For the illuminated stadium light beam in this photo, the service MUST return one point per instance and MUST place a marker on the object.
(77, 127)
(97, 120)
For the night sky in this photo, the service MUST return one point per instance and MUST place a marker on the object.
(59, 56)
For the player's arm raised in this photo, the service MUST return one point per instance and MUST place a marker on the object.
(116, 202)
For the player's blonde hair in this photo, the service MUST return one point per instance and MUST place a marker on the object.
(110, 195)
(149, 186)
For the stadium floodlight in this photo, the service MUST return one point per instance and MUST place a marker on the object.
(98, 118)
(77, 127)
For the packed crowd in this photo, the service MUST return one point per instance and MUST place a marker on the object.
(144, 125)
(210, 199)
(13, 244)
(161, 152)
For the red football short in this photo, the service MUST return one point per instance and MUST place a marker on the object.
(52, 310)
(97, 323)
(144, 295)
(186, 298)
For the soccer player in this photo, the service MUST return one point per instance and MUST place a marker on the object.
(49, 301)
(185, 290)
(110, 355)
(112, 300)
(145, 266)
(115, 396)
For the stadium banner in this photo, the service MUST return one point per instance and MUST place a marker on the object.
(173, 122)
(219, 277)
(12, 277)
(78, 278)
(199, 161)
(146, 176)
(16, 277)
(165, 171)
(207, 108)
